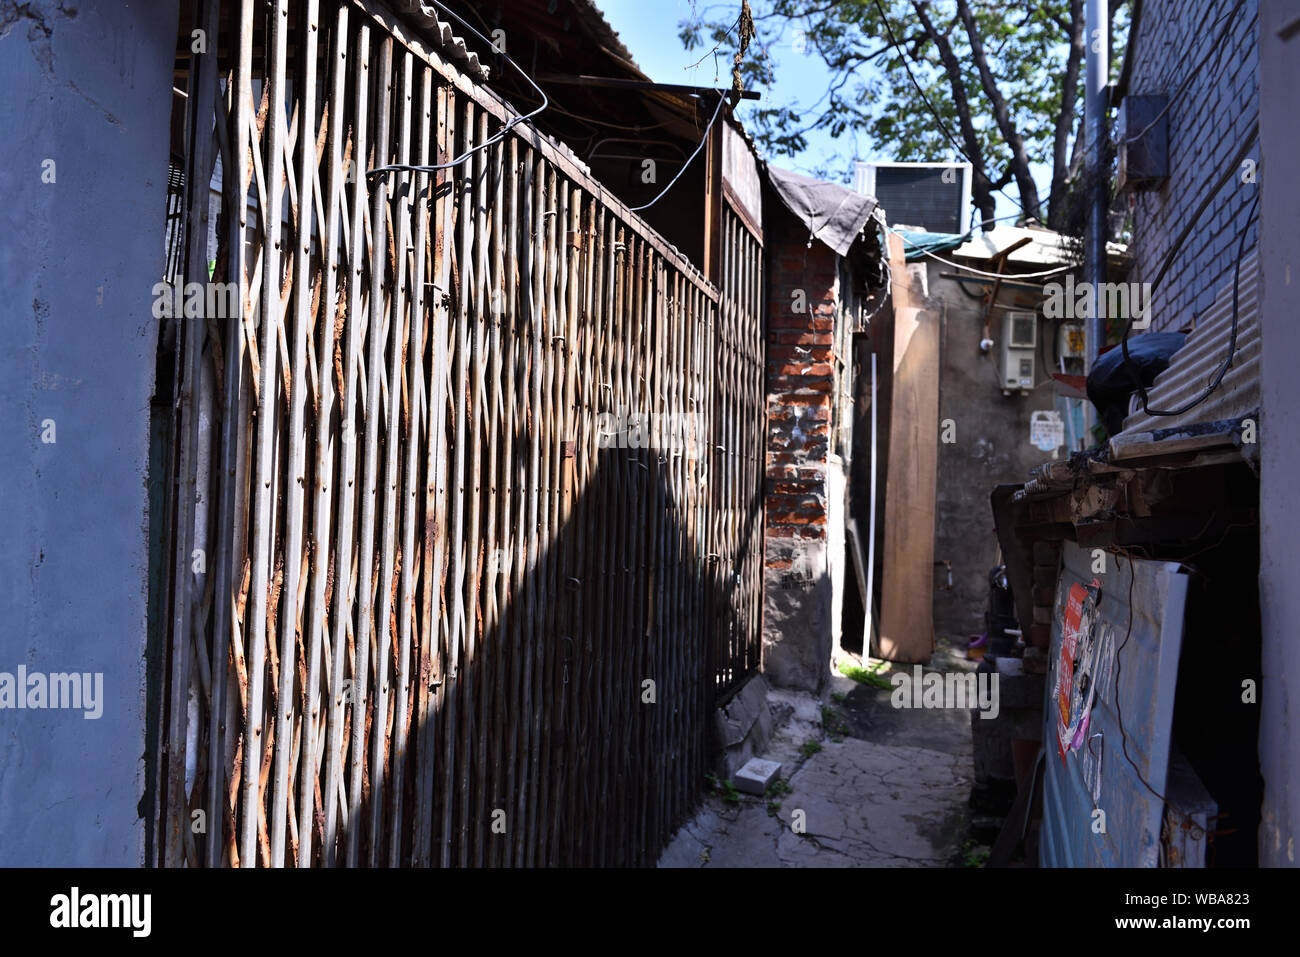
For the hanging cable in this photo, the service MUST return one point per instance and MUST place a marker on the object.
(943, 127)
(721, 99)
(491, 140)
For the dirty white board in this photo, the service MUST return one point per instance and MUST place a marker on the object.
(1097, 812)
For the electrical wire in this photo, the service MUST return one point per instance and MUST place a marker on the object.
(902, 56)
(717, 111)
(491, 140)
(1232, 335)
(1194, 220)
(1198, 832)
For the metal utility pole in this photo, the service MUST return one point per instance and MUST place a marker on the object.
(1096, 102)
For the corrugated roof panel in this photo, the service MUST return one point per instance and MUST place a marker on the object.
(1046, 247)
(1197, 362)
(446, 38)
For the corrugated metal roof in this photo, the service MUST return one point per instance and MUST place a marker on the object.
(445, 37)
(1197, 362)
(1046, 247)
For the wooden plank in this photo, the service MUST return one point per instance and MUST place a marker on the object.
(907, 572)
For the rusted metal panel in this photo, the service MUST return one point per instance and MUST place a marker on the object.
(453, 622)
(740, 177)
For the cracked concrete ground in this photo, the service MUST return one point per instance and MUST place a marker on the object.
(869, 786)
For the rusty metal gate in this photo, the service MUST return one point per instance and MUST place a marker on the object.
(426, 603)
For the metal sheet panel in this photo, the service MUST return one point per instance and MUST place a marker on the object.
(1196, 363)
(1134, 681)
(740, 173)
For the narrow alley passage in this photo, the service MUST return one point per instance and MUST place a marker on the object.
(877, 786)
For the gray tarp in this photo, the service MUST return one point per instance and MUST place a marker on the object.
(833, 214)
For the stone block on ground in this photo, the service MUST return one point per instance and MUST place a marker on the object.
(756, 775)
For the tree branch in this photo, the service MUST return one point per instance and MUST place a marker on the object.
(1061, 175)
(1010, 133)
(981, 193)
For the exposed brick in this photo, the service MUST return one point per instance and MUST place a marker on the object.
(792, 384)
(799, 321)
(801, 339)
(800, 368)
(795, 488)
(798, 532)
(1207, 125)
(795, 517)
(803, 473)
(800, 353)
(799, 413)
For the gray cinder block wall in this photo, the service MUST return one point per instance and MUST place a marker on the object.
(1208, 123)
(83, 172)
(990, 445)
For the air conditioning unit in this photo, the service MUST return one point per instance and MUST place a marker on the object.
(932, 196)
(1019, 344)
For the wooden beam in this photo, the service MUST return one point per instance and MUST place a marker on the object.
(906, 631)
(619, 83)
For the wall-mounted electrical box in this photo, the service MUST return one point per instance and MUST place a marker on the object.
(1143, 138)
(1019, 342)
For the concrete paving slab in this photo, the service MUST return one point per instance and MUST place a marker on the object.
(893, 793)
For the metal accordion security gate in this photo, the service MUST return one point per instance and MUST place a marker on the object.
(429, 599)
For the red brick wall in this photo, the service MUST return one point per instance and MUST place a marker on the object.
(800, 388)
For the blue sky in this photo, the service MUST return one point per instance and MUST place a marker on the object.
(649, 29)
